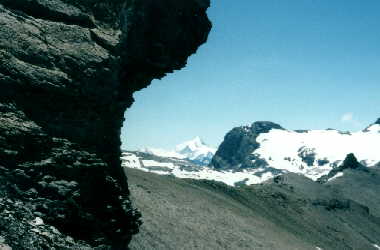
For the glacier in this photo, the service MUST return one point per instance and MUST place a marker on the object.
(314, 153)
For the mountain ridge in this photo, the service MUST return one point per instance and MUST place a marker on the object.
(194, 150)
(310, 152)
(265, 150)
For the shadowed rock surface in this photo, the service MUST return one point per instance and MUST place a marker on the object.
(68, 70)
(238, 144)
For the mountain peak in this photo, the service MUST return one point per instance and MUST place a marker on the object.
(264, 126)
(377, 122)
(192, 144)
(350, 162)
(194, 150)
(197, 140)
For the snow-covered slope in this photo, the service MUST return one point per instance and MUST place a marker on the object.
(194, 150)
(188, 169)
(313, 153)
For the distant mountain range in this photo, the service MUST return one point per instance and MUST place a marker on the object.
(194, 150)
(253, 154)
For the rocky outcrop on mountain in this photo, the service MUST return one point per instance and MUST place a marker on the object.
(238, 144)
(350, 162)
(68, 70)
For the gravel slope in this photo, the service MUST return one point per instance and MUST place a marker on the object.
(291, 212)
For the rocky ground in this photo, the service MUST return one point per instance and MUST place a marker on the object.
(68, 71)
(288, 212)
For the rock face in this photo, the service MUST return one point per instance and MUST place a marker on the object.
(350, 162)
(68, 70)
(238, 144)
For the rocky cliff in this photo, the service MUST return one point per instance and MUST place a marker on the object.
(238, 144)
(68, 69)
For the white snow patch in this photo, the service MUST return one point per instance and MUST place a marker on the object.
(375, 128)
(228, 177)
(376, 246)
(130, 160)
(152, 163)
(283, 149)
(340, 174)
(203, 173)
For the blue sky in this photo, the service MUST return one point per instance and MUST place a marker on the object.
(305, 64)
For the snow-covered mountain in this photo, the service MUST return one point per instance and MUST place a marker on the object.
(194, 150)
(253, 154)
(313, 153)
